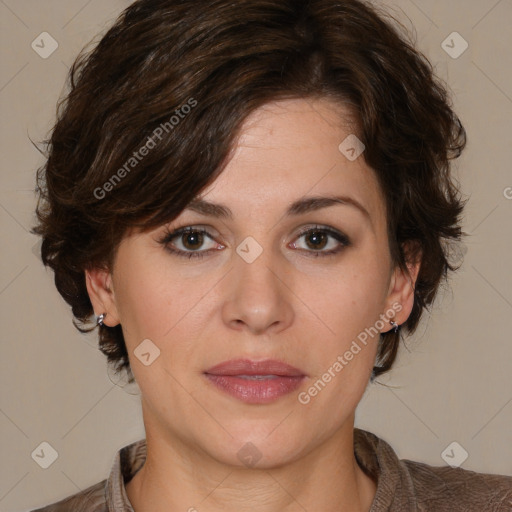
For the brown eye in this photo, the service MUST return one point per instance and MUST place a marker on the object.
(316, 240)
(192, 240)
(321, 241)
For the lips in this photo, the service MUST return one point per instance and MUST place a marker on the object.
(247, 367)
(255, 382)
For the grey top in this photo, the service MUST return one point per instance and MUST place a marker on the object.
(402, 485)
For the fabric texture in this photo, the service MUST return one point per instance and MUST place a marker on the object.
(402, 485)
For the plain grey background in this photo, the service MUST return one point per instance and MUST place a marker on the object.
(451, 384)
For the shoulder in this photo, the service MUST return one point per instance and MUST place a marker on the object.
(404, 484)
(111, 490)
(92, 499)
(449, 488)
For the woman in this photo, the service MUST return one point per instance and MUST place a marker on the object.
(252, 200)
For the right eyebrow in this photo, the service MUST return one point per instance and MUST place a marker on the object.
(299, 207)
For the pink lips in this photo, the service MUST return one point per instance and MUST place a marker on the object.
(255, 382)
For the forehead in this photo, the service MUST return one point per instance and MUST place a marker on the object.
(289, 149)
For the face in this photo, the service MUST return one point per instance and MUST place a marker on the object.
(261, 282)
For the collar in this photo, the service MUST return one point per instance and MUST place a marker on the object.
(375, 457)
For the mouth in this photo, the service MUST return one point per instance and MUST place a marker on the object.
(255, 382)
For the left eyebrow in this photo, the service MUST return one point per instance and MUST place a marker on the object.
(299, 207)
(309, 204)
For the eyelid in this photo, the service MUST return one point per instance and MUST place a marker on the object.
(172, 233)
(327, 229)
(342, 239)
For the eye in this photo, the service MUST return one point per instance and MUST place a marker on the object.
(321, 241)
(189, 242)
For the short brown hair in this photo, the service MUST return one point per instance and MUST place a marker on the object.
(225, 59)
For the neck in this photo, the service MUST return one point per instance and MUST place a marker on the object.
(178, 477)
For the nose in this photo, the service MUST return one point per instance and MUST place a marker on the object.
(259, 296)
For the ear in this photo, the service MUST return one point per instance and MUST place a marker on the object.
(101, 292)
(401, 288)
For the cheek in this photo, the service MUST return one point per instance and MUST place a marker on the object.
(344, 329)
(142, 294)
(343, 359)
(155, 302)
(349, 301)
(141, 302)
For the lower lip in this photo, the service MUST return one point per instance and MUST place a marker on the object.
(254, 391)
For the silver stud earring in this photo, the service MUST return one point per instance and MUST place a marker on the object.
(395, 325)
(100, 318)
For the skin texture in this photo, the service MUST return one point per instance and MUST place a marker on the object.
(287, 305)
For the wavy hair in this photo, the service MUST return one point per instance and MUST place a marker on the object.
(231, 58)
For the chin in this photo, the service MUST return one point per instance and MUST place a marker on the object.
(260, 447)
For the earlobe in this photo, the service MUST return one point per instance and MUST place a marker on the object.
(401, 292)
(102, 296)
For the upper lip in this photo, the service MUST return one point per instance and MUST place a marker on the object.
(248, 367)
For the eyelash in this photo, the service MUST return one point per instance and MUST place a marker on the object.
(171, 235)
